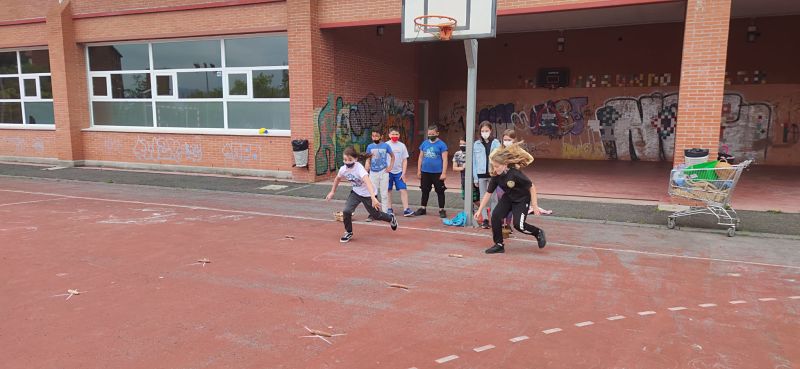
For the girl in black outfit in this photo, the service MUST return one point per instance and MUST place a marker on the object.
(519, 195)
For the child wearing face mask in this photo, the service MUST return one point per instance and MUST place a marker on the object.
(380, 163)
(481, 150)
(510, 138)
(459, 162)
(519, 195)
(362, 193)
(432, 170)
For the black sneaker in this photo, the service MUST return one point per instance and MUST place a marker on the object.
(442, 214)
(369, 219)
(498, 248)
(420, 211)
(542, 240)
(393, 222)
(346, 238)
(485, 224)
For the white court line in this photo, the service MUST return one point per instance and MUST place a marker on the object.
(551, 331)
(646, 313)
(477, 235)
(30, 202)
(616, 317)
(737, 302)
(518, 339)
(767, 299)
(794, 297)
(446, 359)
(734, 274)
(483, 348)
(707, 305)
(676, 308)
(584, 324)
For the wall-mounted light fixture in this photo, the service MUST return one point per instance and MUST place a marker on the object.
(561, 42)
(752, 32)
(379, 30)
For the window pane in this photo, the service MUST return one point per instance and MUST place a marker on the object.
(99, 86)
(10, 112)
(164, 85)
(35, 61)
(46, 86)
(122, 113)
(130, 86)
(198, 85)
(190, 114)
(30, 87)
(119, 57)
(39, 113)
(9, 88)
(188, 54)
(8, 63)
(270, 83)
(237, 84)
(256, 52)
(271, 115)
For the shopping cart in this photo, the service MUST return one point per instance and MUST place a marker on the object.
(711, 184)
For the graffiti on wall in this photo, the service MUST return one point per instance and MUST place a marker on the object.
(339, 124)
(241, 153)
(21, 146)
(627, 127)
(160, 149)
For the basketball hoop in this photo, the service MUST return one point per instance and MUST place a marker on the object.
(442, 25)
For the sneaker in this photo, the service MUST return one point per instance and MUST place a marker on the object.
(369, 219)
(346, 238)
(498, 248)
(389, 211)
(442, 214)
(420, 211)
(485, 224)
(408, 213)
(542, 240)
(393, 222)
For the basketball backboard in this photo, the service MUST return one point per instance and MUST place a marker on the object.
(474, 18)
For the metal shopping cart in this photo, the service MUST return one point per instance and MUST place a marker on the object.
(711, 184)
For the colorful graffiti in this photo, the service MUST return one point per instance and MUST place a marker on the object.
(339, 124)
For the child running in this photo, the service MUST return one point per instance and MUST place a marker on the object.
(362, 193)
(519, 196)
(432, 170)
(510, 138)
(397, 176)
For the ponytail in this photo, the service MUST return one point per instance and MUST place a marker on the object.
(351, 152)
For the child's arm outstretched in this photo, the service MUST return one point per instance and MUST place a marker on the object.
(484, 202)
(375, 203)
(333, 189)
(534, 207)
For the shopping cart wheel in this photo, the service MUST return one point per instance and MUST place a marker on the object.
(671, 223)
(731, 231)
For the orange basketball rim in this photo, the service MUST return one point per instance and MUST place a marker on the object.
(440, 25)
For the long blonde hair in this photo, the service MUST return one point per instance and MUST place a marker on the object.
(514, 156)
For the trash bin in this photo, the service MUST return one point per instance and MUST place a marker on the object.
(695, 156)
(300, 151)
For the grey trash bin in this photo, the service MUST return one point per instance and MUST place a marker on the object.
(300, 151)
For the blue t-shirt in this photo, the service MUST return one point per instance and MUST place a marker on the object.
(380, 159)
(432, 155)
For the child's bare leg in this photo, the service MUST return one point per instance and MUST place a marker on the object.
(404, 198)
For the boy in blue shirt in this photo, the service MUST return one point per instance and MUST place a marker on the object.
(432, 170)
(379, 164)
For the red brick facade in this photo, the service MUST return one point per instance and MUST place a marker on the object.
(327, 61)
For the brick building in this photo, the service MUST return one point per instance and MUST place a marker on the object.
(187, 84)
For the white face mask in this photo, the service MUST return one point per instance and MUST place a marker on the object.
(486, 135)
(507, 143)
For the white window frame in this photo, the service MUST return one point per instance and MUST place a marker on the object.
(175, 97)
(21, 77)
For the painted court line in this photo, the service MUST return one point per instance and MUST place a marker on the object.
(676, 308)
(646, 313)
(446, 359)
(707, 305)
(767, 299)
(551, 331)
(477, 235)
(794, 297)
(616, 317)
(519, 339)
(584, 324)
(483, 348)
(737, 302)
(30, 202)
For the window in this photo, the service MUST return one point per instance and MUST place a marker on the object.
(236, 83)
(26, 92)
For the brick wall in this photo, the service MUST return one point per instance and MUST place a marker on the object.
(23, 35)
(28, 143)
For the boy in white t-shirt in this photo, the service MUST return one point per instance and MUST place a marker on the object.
(397, 176)
(362, 193)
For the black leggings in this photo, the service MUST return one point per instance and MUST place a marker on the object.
(428, 180)
(519, 210)
(352, 203)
